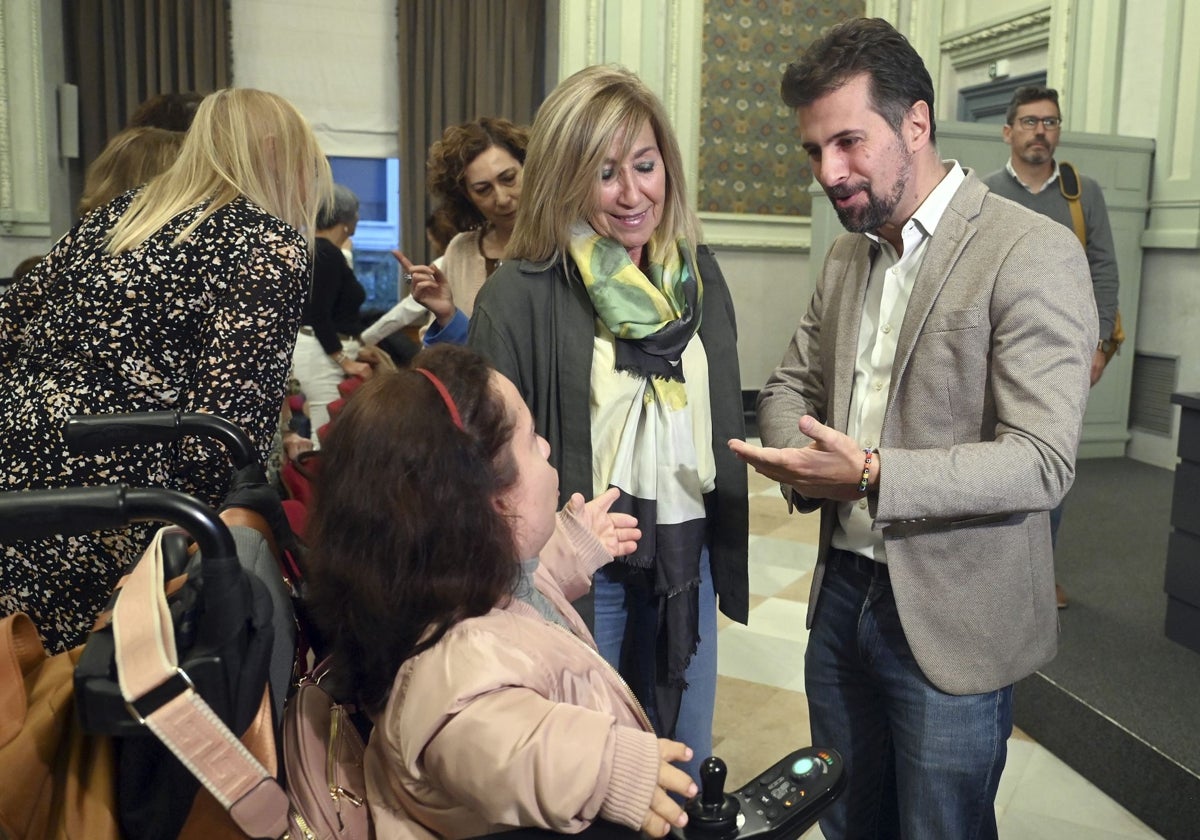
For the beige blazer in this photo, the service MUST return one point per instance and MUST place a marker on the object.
(980, 433)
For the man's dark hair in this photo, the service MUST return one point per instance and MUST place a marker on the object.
(863, 45)
(1030, 93)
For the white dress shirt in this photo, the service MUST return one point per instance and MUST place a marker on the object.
(888, 289)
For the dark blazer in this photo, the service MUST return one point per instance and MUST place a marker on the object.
(979, 437)
(535, 324)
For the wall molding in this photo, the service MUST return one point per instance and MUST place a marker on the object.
(24, 182)
(758, 232)
(988, 42)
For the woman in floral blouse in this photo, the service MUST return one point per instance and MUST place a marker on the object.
(183, 295)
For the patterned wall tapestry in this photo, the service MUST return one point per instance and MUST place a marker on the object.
(750, 155)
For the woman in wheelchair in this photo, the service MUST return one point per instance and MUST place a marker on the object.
(441, 576)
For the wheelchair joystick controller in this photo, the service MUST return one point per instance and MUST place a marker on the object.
(778, 804)
(713, 814)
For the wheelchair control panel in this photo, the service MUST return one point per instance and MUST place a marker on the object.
(778, 804)
(781, 803)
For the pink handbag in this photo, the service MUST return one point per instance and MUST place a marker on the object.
(323, 761)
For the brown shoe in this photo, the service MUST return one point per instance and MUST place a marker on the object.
(1060, 596)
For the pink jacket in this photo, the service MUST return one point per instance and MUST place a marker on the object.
(511, 720)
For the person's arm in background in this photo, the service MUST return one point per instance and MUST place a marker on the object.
(432, 290)
(405, 313)
(454, 332)
(1102, 261)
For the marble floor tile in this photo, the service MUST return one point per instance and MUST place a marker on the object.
(798, 590)
(1019, 825)
(769, 580)
(771, 723)
(786, 552)
(756, 657)
(781, 618)
(1020, 752)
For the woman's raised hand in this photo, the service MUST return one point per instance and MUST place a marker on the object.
(618, 532)
(429, 288)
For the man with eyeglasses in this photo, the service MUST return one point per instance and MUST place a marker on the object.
(1033, 179)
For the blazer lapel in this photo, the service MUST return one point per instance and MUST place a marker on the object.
(955, 229)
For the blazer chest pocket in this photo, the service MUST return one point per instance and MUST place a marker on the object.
(949, 320)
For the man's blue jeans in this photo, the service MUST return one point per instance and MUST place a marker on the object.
(920, 763)
(619, 606)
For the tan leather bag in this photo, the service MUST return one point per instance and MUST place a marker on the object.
(57, 781)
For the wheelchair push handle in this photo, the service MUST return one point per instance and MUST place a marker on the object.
(105, 432)
(34, 514)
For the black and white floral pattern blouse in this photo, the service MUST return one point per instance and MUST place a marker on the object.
(205, 325)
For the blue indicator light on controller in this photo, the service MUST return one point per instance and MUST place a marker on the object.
(803, 766)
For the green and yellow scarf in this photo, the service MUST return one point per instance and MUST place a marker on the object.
(653, 314)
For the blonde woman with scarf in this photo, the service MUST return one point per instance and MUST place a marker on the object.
(617, 327)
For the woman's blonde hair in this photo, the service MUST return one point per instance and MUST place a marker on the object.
(131, 158)
(568, 144)
(242, 142)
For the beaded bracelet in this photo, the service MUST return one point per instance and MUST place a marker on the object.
(866, 476)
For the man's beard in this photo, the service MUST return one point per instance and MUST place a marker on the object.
(879, 209)
(1037, 156)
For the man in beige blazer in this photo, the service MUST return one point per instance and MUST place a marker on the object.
(930, 404)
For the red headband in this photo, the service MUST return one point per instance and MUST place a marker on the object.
(446, 398)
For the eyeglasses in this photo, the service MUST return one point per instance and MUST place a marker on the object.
(1030, 123)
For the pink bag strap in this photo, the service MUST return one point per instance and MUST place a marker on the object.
(146, 659)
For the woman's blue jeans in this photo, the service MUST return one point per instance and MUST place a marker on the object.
(620, 608)
(920, 763)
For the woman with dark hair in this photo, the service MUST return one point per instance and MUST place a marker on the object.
(475, 172)
(443, 592)
(616, 324)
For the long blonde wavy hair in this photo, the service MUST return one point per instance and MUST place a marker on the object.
(242, 142)
(568, 143)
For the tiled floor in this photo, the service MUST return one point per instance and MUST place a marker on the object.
(762, 712)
